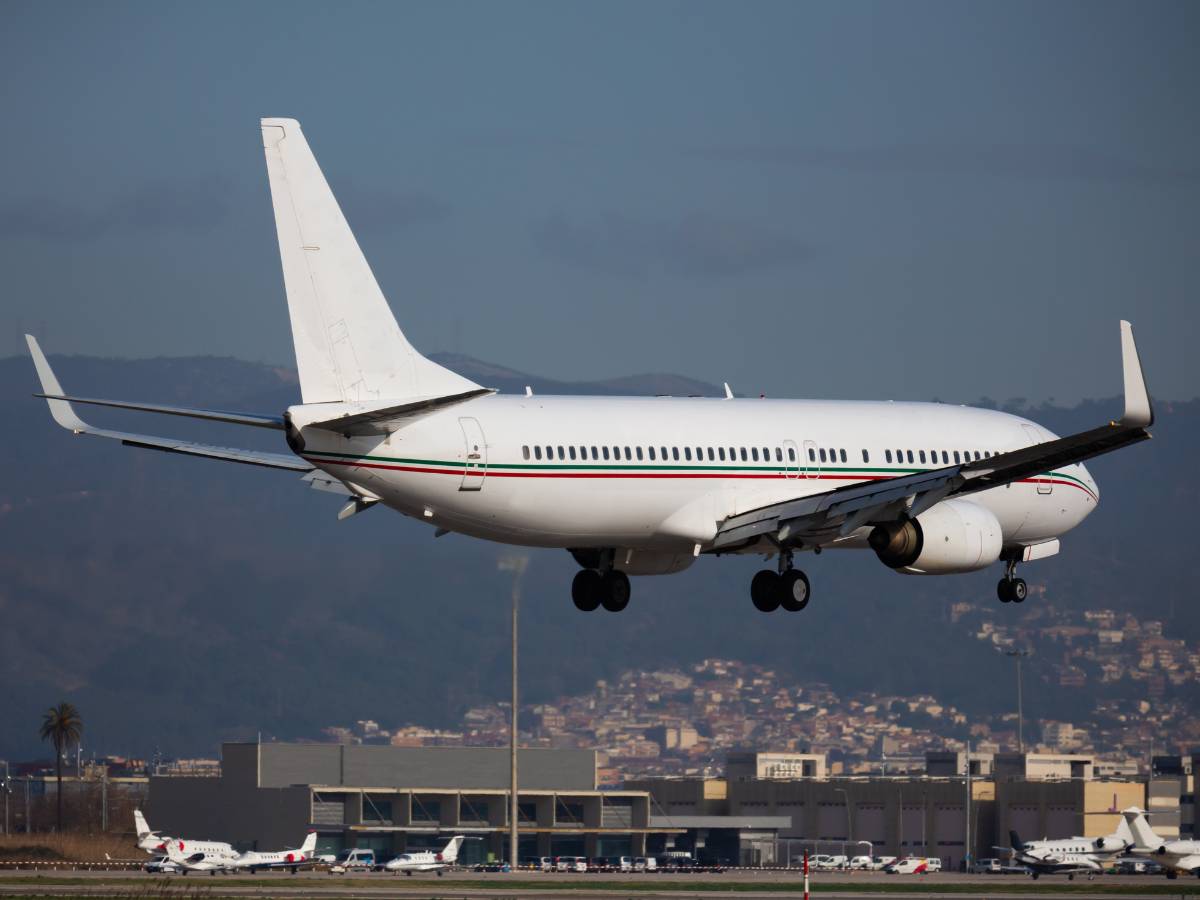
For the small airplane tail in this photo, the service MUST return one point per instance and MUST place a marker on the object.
(310, 844)
(1124, 833)
(141, 825)
(348, 345)
(450, 853)
(1015, 839)
(1144, 837)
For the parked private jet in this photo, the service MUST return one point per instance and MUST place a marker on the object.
(202, 856)
(153, 842)
(427, 861)
(302, 856)
(1070, 856)
(1174, 856)
(634, 486)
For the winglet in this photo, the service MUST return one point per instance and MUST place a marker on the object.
(1138, 412)
(62, 410)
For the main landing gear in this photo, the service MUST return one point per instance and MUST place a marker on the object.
(1012, 589)
(592, 589)
(787, 588)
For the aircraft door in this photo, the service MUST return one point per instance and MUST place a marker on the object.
(475, 453)
(810, 463)
(1043, 482)
(791, 460)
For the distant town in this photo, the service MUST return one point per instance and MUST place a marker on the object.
(684, 722)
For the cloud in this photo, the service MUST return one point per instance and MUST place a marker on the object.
(175, 206)
(1012, 161)
(698, 245)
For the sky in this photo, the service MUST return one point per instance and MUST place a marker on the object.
(850, 200)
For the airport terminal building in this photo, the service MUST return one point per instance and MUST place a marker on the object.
(396, 799)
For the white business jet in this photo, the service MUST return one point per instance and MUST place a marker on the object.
(634, 486)
(202, 856)
(1071, 856)
(1174, 856)
(152, 842)
(426, 861)
(296, 859)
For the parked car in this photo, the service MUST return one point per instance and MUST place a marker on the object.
(861, 863)
(934, 863)
(909, 865)
(645, 864)
(826, 862)
(988, 866)
(349, 860)
(621, 863)
(160, 865)
(570, 864)
(538, 863)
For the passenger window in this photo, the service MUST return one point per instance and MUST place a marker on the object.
(675, 453)
(711, 455)
(956, 456)
(700, 454)
(842, 453)
(743, 454)
(822, 454)
(549, 453)
(525, 452)
(812, 456)
(561, 455)
(583, 452)
(778, 454)
(791, 454)
(537, 452)
(572, 449)
(945, 457)
(638, 451)
(921, 455)
(687, 453)
(977, 454)
(651, 451)
(595, 453)
(866, 457)
(910, 456)
(628, 453)
(721, 453)
(754, 454)
(887, 454)
(605, 449)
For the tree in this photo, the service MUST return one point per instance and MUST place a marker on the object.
(62, 726)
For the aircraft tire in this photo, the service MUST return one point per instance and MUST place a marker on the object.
(764, 590)
(794, 591)
(614, 590)
(1019, 590)
(1003, 588)
(586, 590)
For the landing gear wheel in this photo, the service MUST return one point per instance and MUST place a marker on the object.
(764, 591)
(1004, 590)
(1018, 590)
(793, 590)
(586, 590)
(614, 590)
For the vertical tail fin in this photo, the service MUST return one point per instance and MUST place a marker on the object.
(348, 345)
(1144, 837)
(310, 844)
(450, 854)
(140, 824)
(1016, 840)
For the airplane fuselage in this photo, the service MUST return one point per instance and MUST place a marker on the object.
(657, 474)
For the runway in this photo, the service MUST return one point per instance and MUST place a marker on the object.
(552, 886)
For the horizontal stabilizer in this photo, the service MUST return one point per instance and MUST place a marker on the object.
(64, 414)
(358, 419)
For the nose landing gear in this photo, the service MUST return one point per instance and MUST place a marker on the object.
(1012, 589)
(787, 588)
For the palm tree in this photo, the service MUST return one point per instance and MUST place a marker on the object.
(61, 725)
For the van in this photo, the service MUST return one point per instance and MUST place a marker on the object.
(645, 864)
(621, 863)
(861, 863)
(910, 865)
(349, 860)
(988, 866)
(934, 863)
(570, 864)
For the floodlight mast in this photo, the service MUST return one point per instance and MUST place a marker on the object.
(516, 565)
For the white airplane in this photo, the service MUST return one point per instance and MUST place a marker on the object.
(634, 486)
(427, 861)
(302, 856)
(202, 856)
(1174, 856)
(1070, 856)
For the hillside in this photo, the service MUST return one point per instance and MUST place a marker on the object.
(180, 602)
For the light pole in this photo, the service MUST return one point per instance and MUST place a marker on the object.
(516, 565)
(849, 826)
(7, 791)
(1018, 655)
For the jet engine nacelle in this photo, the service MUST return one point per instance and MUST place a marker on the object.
(953, 536)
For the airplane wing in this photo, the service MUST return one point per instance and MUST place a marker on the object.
(839, 512)
(64, 414)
